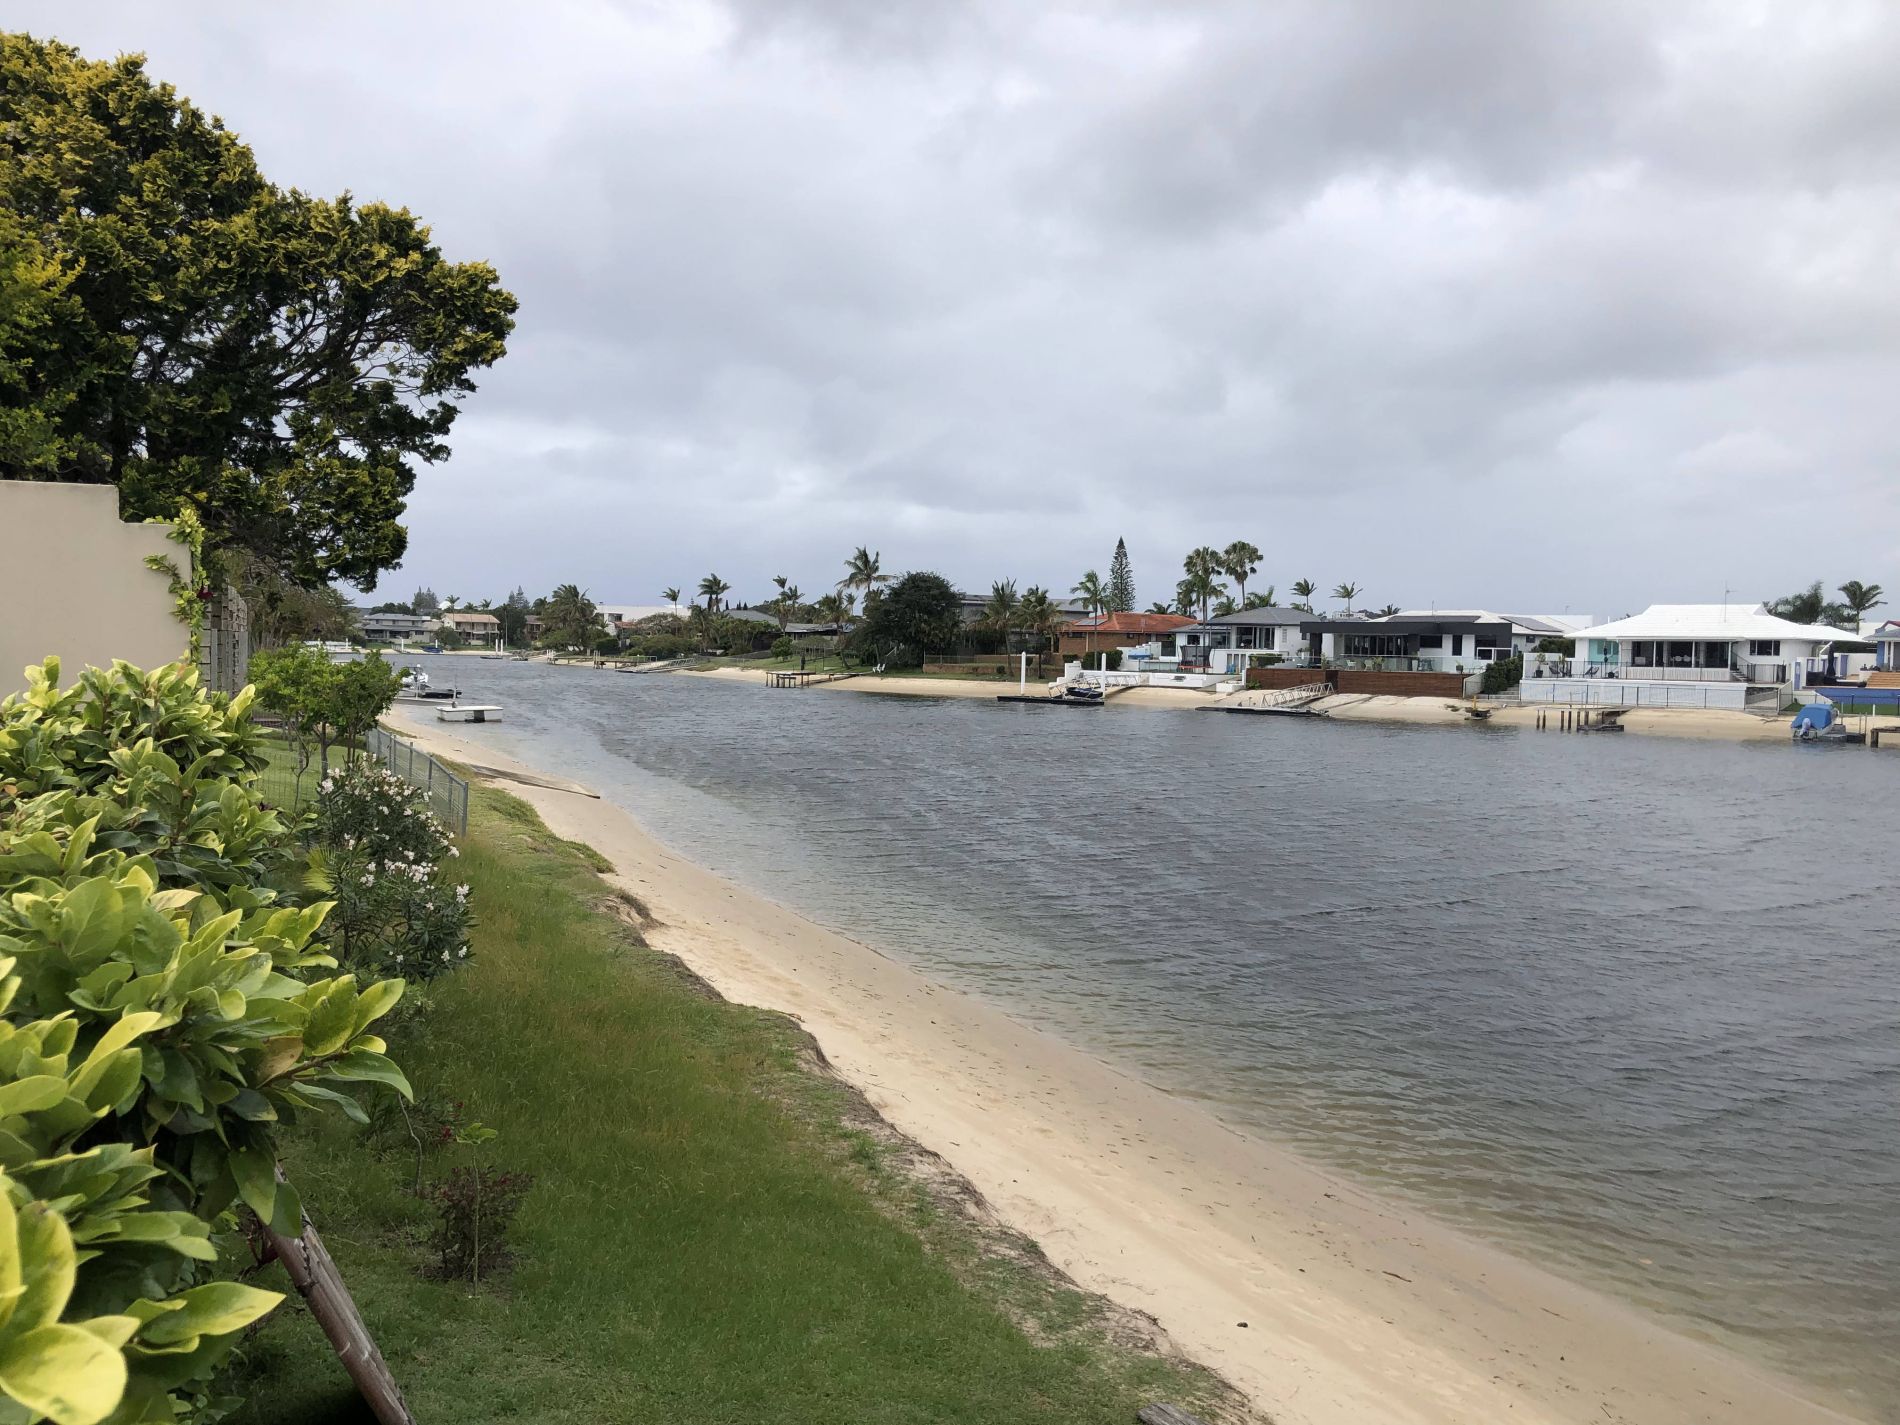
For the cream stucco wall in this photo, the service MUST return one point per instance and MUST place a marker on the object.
(73, 581)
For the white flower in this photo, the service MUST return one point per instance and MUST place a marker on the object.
(462, 954)
(461, 893)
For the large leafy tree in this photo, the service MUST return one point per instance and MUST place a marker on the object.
(190, 332)
(1811, 605)
(919, 614)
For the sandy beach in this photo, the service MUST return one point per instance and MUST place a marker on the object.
(1424, 712)
(1325, 1303)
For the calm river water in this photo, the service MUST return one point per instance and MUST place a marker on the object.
(1631, 1005)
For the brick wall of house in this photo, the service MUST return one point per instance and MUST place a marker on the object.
(1357, 680)
(1284, 677)
(1403, 685)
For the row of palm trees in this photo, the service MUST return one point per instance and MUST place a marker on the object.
(864, 577)
(1203, 592)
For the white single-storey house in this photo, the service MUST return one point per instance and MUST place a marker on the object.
(1691, 655)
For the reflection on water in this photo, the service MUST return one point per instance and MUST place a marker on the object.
(1631, 1004)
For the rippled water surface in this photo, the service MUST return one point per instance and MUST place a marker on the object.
(1630, 1004)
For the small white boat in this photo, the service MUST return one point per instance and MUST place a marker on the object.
(414, 680)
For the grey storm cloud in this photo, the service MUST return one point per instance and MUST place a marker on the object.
(1566, 305)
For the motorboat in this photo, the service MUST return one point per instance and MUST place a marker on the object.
(414, 680)
(1822, 723)
(1082, 693)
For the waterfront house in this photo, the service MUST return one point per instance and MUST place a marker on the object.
(393, 627)
(1693, 655)
(1125, 630)
(1424, 641)
(1263, 636)
(476, 629)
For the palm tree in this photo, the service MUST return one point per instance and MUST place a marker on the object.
(1184, 599)
(786, 604)
(999, 614)
(1860, 599)
(1389, 611)
(572, 618)
(1261, 601)
(712, 589)
(671, 596)
(862, 573)
(451, 603)
(1225, 605)
(1157, 607)
(1091, 591)
(1303, 591)
(1203, 567)
(1346, 593)
(1240, 561)
(834, 608)
(1811, 605)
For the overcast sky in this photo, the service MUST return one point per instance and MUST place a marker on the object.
(1532, 306)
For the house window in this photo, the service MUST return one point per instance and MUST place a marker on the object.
(1431, 640)
(1457, 645)
(1246, 636)
(1764, 648)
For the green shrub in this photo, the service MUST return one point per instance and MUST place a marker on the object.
(380, 861)
(161, 1011)
(1502, 673)
(783, 647)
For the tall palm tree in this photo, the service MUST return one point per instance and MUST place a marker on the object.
(1091, 591)
(671, 596)
(1039, 618)
(1184, 596)
(712, 589)
(786, 603)
(834, 608)
(1203, 568)
(863, 574)
(1303, 591)
(999, 614)
(1240, 561)
(1860, 599)
(572, 618)
(1346, 593)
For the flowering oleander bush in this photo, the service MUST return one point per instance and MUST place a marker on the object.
(381, 857)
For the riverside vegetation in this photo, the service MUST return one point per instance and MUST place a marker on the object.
(165, 1013)
(615, 1196)
(717, 1230)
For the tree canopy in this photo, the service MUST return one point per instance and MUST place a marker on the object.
(920, 613)
(173, 323)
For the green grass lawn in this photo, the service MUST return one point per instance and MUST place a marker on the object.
(716, 1233)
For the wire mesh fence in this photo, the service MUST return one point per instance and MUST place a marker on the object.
(284, 786)
(447, 793)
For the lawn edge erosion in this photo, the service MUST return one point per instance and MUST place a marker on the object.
(720, 1228)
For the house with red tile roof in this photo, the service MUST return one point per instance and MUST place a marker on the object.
(1122, 630)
